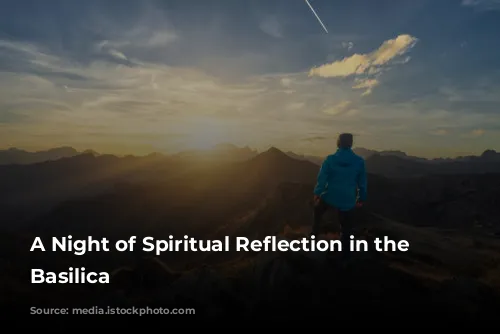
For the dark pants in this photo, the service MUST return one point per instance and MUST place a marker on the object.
(345, 220)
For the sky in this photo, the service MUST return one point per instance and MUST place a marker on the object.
(137, 77)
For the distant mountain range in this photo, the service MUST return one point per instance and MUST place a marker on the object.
(223, 153)
(451, 221)
(30, 189)
(157, 165)
(22, 157)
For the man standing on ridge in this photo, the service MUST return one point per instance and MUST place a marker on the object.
(341, 185)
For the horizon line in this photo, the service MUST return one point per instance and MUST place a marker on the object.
(258, 151)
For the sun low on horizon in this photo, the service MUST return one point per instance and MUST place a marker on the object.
(137, 77)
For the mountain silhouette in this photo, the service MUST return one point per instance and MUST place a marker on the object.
(273, 158)
(390, 163)
(17, 156)
(451, 221)
(24, 187)
(399, 164)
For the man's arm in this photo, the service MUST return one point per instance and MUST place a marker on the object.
(322, 180)
(362, 183)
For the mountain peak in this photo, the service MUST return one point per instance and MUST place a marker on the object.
(273, 154)
(90, 151)
(490, 155)
(488, 152)
(274, 150)
(14, 149)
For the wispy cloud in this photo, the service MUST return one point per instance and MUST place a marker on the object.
(271, 26)
(482, 5)
(147, 106)
(475, 133)
(367, 84)
(316, 139)
(369, 64)
(340, 108)
(440, 132)
(153, 76)
(347, 45)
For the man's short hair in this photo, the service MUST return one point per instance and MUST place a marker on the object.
(345, 140)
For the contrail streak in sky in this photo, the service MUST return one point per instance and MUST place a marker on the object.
(314, 12)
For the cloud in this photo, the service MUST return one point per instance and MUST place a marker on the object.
(138, 38)
(365, 83)
(139, 106)
(347, 45)
(117, 54)
(355, 64)
(369, 64)
(340, 108)
(271, 26)
(162, 38)
(315, 139)
(476, 133)
(166, 77)
(113, 98)
(482, 5)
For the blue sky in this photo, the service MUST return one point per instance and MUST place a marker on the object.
(141, 76)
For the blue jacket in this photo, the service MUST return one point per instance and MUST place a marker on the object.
(341, 179)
